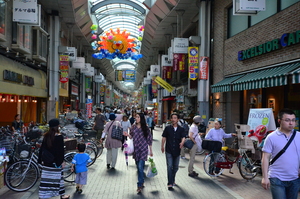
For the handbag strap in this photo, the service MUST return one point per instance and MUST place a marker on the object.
(284, 149)
(110, 125)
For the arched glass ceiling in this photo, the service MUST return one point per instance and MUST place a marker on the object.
(123, 14)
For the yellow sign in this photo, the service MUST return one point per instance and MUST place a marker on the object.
(193, 63)
(164, 84)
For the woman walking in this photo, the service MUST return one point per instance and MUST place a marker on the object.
(111, 144)
(142, 138)
(51, 156)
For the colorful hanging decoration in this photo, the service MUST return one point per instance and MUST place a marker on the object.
(115, 44)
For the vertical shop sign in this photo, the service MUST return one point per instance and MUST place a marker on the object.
(107, 92)
(193, 62)
(89, 103)
(64, 68)
(176, 58)
(74, 90)
(154, 85)
(88, 83)
(203, 74)
(169, 72)
(181, 62)
(102, 92)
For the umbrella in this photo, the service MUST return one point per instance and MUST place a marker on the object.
(126, 153)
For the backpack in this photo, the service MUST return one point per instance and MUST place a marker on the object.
(186, 128)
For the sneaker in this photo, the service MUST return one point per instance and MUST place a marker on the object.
(195, 173)
(108, 166)
(80, 191)
(77, 189)
(192, 175)
(182, 157)
(113, 168)
(170, 188)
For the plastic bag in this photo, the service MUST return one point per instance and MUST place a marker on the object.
(151, 171)
(130, 147)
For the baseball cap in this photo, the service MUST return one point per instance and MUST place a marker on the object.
(197, 119)
(53, 122)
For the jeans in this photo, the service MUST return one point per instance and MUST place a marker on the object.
(172, 167)
(140, 167)
(284, 189)
(214, 159)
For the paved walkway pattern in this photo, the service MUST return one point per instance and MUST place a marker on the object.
(121, 182)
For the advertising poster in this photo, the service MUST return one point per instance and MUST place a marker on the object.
(193, 63)
(64, 68)
(181, 62)
(260, 120)
(129, 76)
(89, 104)
(154, 85)
(203, 74)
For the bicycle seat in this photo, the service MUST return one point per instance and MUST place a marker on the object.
(224, 148)
(78, 135)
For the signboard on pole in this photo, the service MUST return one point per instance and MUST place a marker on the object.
(204, 66)
(193, 63)
(260, 120)
(64, 68)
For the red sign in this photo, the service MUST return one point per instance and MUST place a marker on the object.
(176, 59)
(203, 74)
(181, 62)
(169, 72)
(154, 85)
(74, 90)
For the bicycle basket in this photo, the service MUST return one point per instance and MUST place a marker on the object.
(211, 145)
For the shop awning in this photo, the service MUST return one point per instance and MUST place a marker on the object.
(168, 98)
(296, 76)
(270, 77)
(225, 84)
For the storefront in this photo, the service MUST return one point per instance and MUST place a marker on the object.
(23, 91)
(256, 65)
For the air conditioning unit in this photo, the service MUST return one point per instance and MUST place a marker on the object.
(71, 51)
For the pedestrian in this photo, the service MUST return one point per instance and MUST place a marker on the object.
(51, 156)
(132, 119)
(282, 177)
(99, 123)
(217, 134)
(80, 162)
(142, 141)
(107, 115)
(119, 115)
(17, 124)
(150, 122)
(126, 127)
(185, 126)
(111, 144)
(173, 138)
(195, 137)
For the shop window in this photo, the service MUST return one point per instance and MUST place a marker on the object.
(286, 3)
(39, 44)
(2, 20)
(21, 38)
(236, 23)
(271, 9)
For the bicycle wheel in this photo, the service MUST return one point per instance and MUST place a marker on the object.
(92, 153)
(68, 175)
(247, 167)
(21, 176)
(209, 164)
(99, 147)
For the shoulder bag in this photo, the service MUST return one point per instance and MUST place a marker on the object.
(117, 132)
(284, 149)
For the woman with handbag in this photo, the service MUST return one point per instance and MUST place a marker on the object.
(111, 144)
(142, 138)
(51, 156)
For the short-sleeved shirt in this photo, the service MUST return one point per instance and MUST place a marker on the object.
(81, 160)
(140, 143)
(196, 136)
(217, 135)
(100, 121)
(125, 125)
(17, 125)
(286, 166)
(173, 139)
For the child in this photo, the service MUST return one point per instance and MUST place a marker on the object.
(80, 162)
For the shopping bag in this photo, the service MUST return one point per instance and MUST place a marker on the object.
(188, 144)
(151, 171)
(130, 147)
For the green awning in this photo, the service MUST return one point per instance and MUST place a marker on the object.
(225, 84)
(270, 77)
(296, 76)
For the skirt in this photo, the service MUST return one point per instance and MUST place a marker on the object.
(52, 182)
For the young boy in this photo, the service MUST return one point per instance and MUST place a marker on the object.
(80, 162)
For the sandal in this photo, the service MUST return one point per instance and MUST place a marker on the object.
(65, 197)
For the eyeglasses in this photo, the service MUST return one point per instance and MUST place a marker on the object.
(289, 120)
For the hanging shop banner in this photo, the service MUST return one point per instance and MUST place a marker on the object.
(119, 75)
(165, 61)
(164, 84)
(74, 89)
(88, 84)
(154, 85)
(169, 72)
(64, 68)
(193, 63)
(204, 67)
(102, 93)
(79, 63)
(176, 58)
(98, 78)
(260, 120)
(181, 62)
(25, 11)
(180, 45)
(107, 92)
(129, 76)
(89, 104)
(155, 70)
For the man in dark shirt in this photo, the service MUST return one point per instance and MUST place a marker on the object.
(17, 125)
(173, 136)
(99, 123)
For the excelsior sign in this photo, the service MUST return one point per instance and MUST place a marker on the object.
(286, 39)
